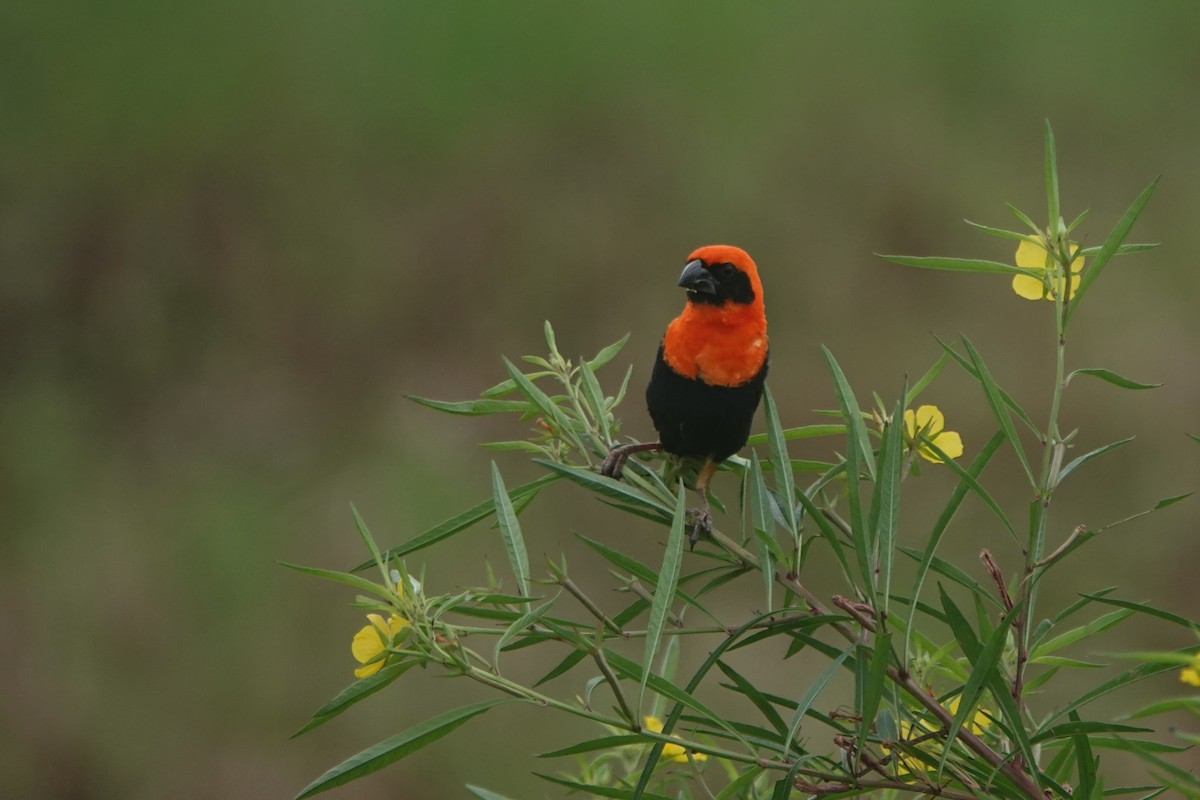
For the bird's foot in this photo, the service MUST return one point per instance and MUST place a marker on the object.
(700, 519)
(614, 462)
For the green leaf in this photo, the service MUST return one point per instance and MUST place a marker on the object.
(664, 591)
(1075, 463)
(959, 264)
(1001, 232)
(1191, 704)
(984, 668)
(974, 373)
(1053, 205)
(527, 619)
(999, 409)
(1111, 377)
(460, 523)
(1124, 249)
(801, 432)
(852, 414)
(1109, 248)
(764, 528)
(1101, 623)
(859, 458)
(601, 743)
(638, 569)
(598, 790)
(1023, 217)
(485, 794)
(595, 400)
(966, 479)
(885, 500)
(362, 584)
(474, 408)
(873, 687)
(359, 690)
(948, 570)
(810, 696)
(557, 419)
(785, 481)
(826, 529)
(395, 748)
(926, 379)
(1144, 608)
(666, 688)
(618, 490)
(1077, 726)
(608, 353)
(1087, 763)
(1132, 675)
(369, 541)
(1075, 222)
(510, 530)
(760, 701)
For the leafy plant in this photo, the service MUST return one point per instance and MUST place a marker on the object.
(946, 667)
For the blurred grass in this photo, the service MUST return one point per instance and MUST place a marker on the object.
(231, 237)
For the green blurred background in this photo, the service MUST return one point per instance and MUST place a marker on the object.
(234, 236)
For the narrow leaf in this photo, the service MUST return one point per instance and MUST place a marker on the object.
(1109, 248)
(359, 690)
(394, 748)
(599, 790)
(618, 490)
(485, 794)
(764, 527)
(556, 418)
(802, 432)
(510, 531)
(1111, 377)
(999, 409)
(474, 408)
(873, 688)
(527, 619)
(760, 701)
(926, 379)
(664, 591)
(460, 523)
(1001, 232)
(958, 264)
(785, 482)
(1075, 463)
(362, 584)
(885, 499)
(810, 696)
(1053, 205)
(943, 522)
(607, 354)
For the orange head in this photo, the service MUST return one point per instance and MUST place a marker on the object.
(721, 336)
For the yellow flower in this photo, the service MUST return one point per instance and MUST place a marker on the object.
(369, 642)
(980, 721)
(928, 423)
(1191, 673)
(1031, 255)
(674, 752)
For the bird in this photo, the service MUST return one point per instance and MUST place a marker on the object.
(709, 372)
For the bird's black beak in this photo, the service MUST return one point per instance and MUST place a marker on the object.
(696, 278)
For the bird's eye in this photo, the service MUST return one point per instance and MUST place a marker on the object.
(726, 270)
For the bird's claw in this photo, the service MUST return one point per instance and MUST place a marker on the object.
(614, 463)
(701, 521)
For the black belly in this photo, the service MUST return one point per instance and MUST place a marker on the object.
(697, 420)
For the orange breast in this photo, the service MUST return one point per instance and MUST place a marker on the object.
(720, 345)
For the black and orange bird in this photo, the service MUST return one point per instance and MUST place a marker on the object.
(709, 372)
